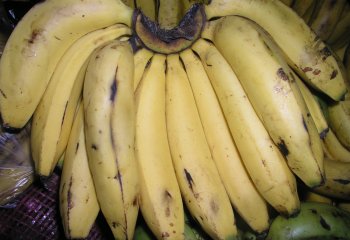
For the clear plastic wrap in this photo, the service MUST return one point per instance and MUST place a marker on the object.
(16, 165)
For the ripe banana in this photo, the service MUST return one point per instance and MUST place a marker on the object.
(148, 7)
(327, 17)
(303, 50)
(341, 33)
(243, 195)
(77, 197)
(169, 13)
(339, 121)
(38, 43)
(262, 159)
(202, 189)
(310, 196)
(301, 6)
(141, 61)
(337, 184)
(315, 221)
(314, 108)
(288, 3)
(160, 200)
(108, 97)
(334, 147)
(267, 81)
(52, 119)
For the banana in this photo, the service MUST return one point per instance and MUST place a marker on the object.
(315, 221)
(243, 195)
(129, 3)
(169, 13)
(341, 33)
(267, 82)
(335, 149)
(77, 196)
(337, 184)
(288, 3)
(108, 96)
(315, 197)
(339, 120)
(261, 157)
(141, 61)
(160, 201)
(202, 189)
(304, 51)
(38, 43)
(301, 6)
(327, 17)
(52, 119)
(307, 16)
(314, 108)
(148, 7)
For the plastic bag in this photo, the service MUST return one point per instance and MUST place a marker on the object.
(16, 165)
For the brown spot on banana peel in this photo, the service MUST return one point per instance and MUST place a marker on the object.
(282, 74)
(64, 113)
(342, 181)
(324, 224)
(325, 53)
(35, 35)
(283, 147)
(76, 147)
(189, 180)
(113, 87)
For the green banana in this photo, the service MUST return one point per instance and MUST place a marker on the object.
(315, 221)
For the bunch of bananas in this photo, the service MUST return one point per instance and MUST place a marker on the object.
(221, 107)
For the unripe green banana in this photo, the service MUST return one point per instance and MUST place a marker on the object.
(315, 221)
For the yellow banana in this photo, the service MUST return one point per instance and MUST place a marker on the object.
(141, 61)
(261, 157)
(306, 53)
(148, 7)
(339, 120)
(314, 108)
(200, 184)
(243, 195)
(161, 203)
(77, 196)
(169, 13)
(52, 119)
(288, 3)
(337, 180)
(267, 82)
(38, 43)
(341, 33)
(326, 18)
(301, 6)
(334, 147)
(310, 196)
(109, 108)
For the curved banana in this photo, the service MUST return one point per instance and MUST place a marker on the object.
(327, 17)
(306, 53)
(169, 13)
(339, 120)
(160, 200)
(301, 6)
(77, 196)
(334, 147)
(108, 97)
(341, 33)
(141, 61)
(261, 157)
(247, 201)
(52, 119)
(200, 184)
(267, 82)
(148, 7)
(38, 43)
(314, 108)
(337, 184)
